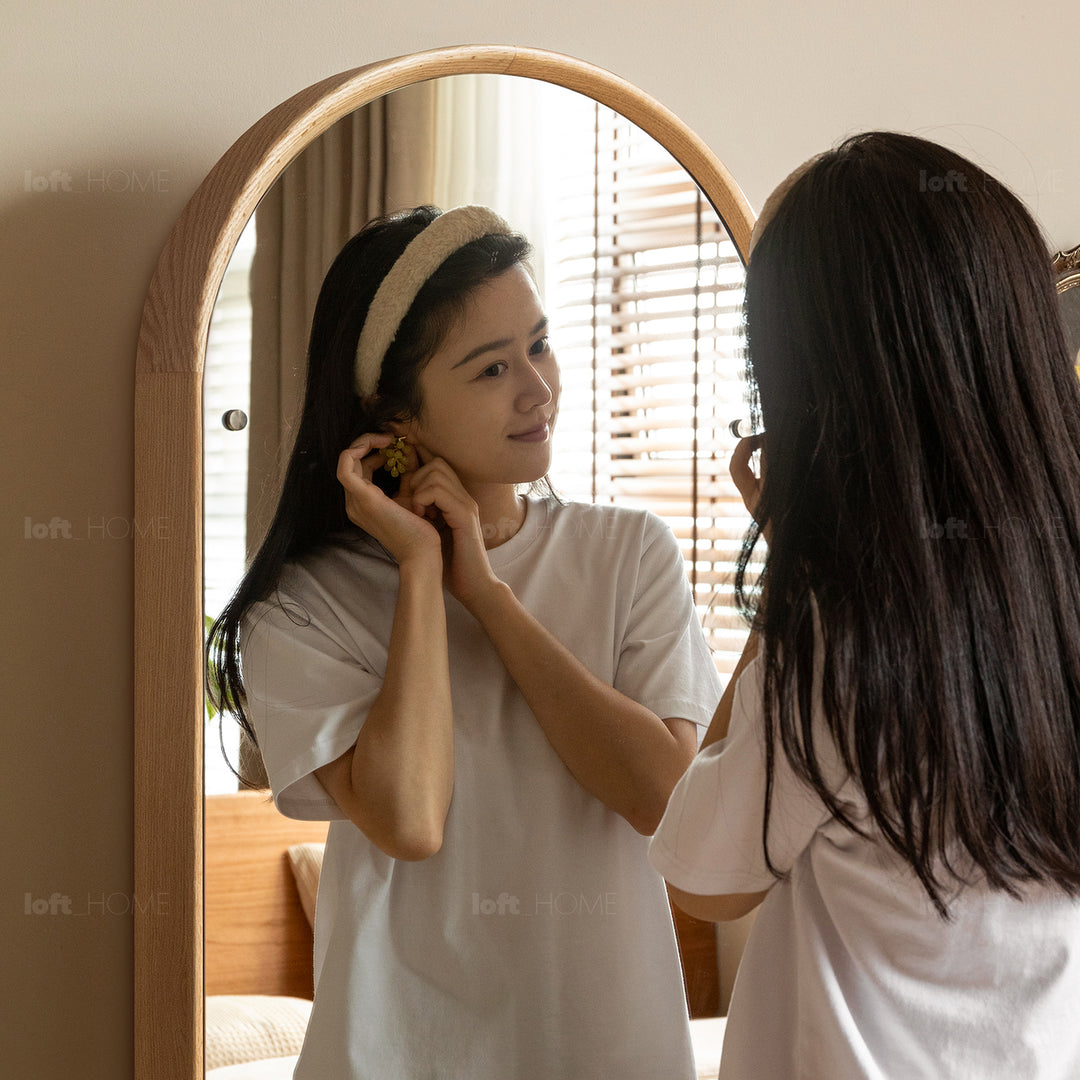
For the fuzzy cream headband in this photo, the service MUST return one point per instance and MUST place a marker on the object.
(426, 252)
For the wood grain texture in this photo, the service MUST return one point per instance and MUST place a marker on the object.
(168, 461)
(168, 726)
(701, 970)
(258, 940)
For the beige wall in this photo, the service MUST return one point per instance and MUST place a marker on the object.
(121, 107)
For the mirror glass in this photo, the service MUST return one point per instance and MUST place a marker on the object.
(640, 279)
(639, 276)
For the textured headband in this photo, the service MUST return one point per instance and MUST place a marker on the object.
(425, 253)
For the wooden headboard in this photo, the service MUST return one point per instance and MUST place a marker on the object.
(257, 937)
(258, 940)
(700, 964)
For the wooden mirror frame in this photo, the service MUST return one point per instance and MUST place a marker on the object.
(168, 766)
(1066, 266)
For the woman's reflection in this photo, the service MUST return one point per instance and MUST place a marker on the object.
(489, 694)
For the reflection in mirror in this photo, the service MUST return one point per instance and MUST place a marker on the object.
(639, 277)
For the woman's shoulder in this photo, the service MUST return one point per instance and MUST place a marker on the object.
(340, 553)
(315, 583)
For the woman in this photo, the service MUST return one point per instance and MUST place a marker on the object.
(490, 695)
(900, 788)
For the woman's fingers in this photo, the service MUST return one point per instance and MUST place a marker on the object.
(362, 457)
(435, 487)
(743, 474)
(392, 522)
(423, 454)
(369, 441)
(437, 493)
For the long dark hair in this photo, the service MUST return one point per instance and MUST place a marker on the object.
(311, 509)
(922, 491)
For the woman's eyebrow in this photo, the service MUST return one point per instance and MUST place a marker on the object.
(491, 346)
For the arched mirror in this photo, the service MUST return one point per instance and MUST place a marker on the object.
(1067, 268)
(170, 486)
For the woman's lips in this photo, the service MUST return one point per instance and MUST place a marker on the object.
(536, 434)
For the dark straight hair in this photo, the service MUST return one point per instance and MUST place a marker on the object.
(311, 509)
(922, 496)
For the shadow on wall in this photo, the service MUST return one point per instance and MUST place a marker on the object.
(82, 242)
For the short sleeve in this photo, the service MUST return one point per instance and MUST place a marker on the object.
(664, 661)
(709, 841)
(307, 694)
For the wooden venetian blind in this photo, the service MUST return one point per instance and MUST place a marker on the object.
(647, 291)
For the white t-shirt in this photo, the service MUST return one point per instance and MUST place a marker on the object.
(537, 943)
(848, 971)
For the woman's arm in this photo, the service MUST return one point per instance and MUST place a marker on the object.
(729, 906)
(618, 750)
(396, 782)
(721, 720)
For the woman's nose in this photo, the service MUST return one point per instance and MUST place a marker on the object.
(538, 388)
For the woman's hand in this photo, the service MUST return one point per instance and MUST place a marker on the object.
(742, 473)
(392, 521)
(436, 493)
(396, 782)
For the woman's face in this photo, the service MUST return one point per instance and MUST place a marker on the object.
(491, 391)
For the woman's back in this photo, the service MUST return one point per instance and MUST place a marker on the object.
(883, 988)
(902, 771)
(922, 495)
(849, 970)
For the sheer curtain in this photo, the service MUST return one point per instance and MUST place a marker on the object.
(647, 294)
(492, 149)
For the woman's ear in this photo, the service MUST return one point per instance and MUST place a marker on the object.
(409, 430)
(403, 428)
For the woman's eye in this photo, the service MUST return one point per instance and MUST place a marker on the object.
(493, 371)
(541, 345)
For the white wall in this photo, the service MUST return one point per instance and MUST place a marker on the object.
(140, 99)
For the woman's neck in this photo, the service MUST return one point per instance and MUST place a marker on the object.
(502, 512)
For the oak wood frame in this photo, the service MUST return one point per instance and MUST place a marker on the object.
(168, 850)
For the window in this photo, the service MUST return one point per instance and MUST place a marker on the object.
(645, 291)
(226, 386)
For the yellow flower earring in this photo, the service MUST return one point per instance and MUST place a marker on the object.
(395, 457)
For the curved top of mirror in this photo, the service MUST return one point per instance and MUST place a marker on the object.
(177, 311)
(168, 496)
